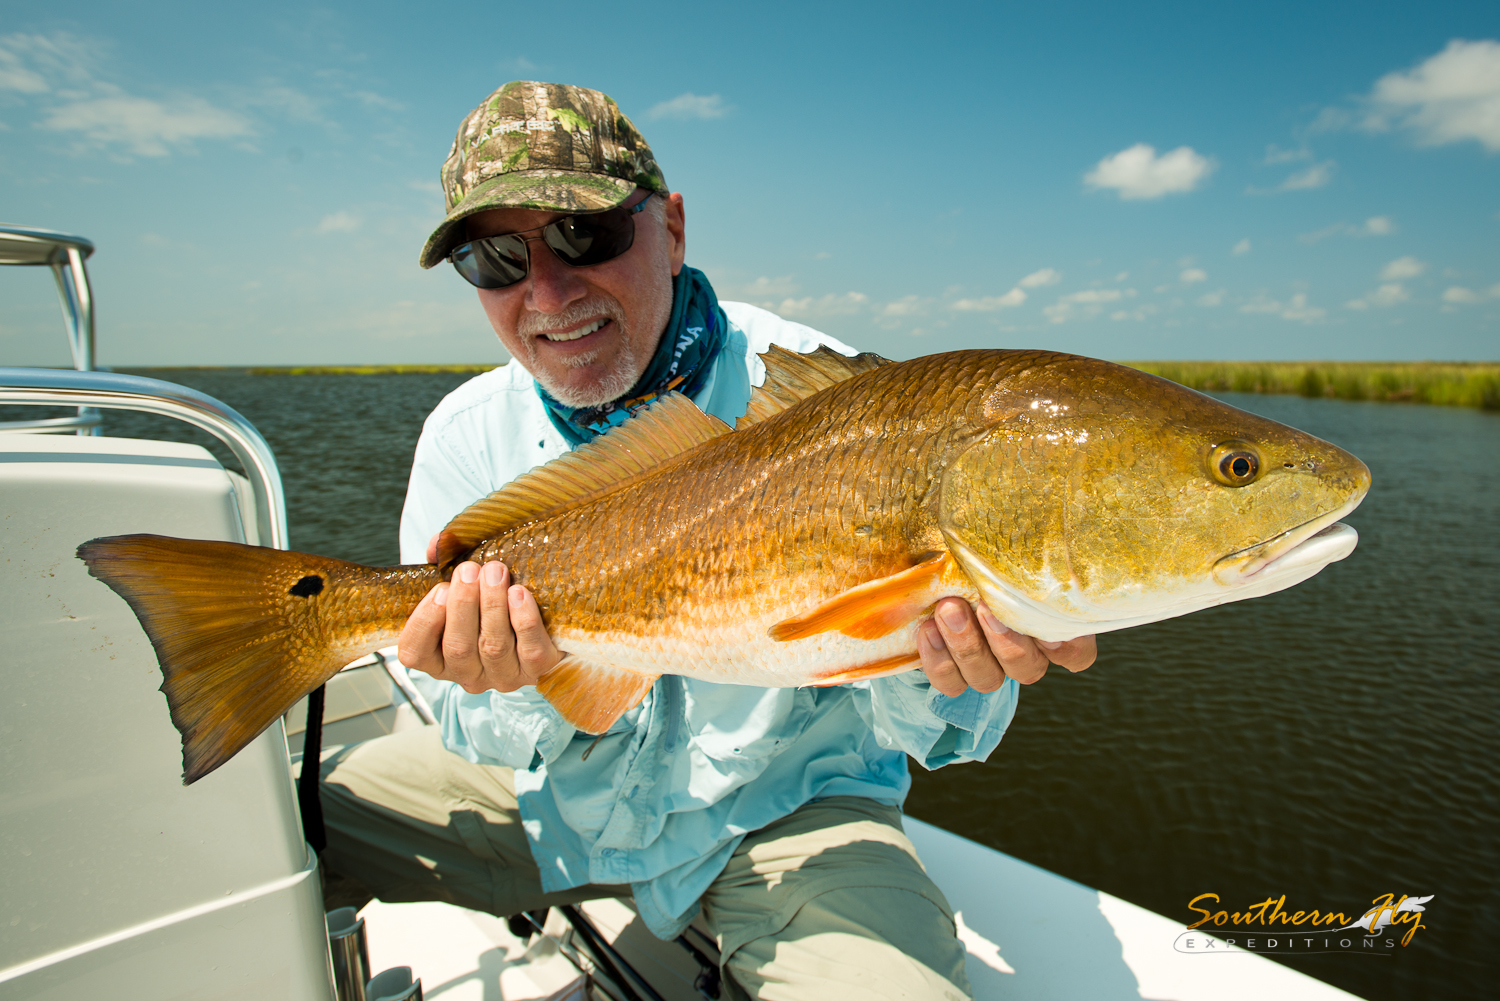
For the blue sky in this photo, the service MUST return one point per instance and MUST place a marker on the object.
(1127, 181)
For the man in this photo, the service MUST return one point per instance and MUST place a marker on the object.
(775, 810)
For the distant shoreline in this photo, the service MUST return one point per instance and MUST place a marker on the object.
(1450, 384)
(1453, 384)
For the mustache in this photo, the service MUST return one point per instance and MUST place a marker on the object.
(532, 324)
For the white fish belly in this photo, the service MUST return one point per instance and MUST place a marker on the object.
(738, 651)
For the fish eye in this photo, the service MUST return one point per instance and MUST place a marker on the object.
(1234, 463)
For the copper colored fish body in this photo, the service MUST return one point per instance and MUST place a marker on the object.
(1072, 495)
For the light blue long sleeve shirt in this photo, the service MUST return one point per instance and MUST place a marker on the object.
(665, 797)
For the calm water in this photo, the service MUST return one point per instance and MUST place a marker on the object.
(1331, 743)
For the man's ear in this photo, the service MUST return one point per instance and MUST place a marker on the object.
(676, 223)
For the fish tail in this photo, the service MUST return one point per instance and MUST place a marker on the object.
(242, 632)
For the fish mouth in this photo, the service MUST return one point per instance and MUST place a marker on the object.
(1317, 541)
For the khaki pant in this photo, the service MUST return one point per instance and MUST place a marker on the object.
(830, 902)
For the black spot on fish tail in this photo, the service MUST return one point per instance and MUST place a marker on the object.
(307, 586)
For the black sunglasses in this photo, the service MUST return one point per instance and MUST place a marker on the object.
(577, 240)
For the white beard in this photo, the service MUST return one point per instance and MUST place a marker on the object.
(629, 365)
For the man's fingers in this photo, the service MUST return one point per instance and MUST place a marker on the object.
(1075, 654)
(937, 662)
(969, 645)
(1018, 655)
(534, 647)
(422, 636)
(461, 632)
(497, 643)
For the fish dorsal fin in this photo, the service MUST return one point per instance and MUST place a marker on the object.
(792, 378)
(667, 427)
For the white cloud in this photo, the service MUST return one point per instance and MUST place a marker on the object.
(827, 305)
(990, 303)
(1192, 275)
(15, 76)
(1275, 154)
(1261, 304)
(142, 126)
(1138, 173)
(1243, 247)
(1211, 298)
(1298, 309)
(1462, 295)
(338, 222)
(102, 114)
(781, 285)
(1139, 313)
(1379, 225)
(1295, 308)
(1453, 96)
(1046, 276)
(1084, 304)
(1058, 312)
(1388, 295)
(1094, 295)
(690, 105)
(37, 64)
(1402, 268)
(1015, 297)
(1316, 176)
(907, 305)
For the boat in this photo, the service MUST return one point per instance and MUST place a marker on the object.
(118, 881)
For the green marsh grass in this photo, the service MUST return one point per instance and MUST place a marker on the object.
(366, 369)
(1453, 384)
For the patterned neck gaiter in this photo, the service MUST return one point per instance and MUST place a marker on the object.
(694, 335)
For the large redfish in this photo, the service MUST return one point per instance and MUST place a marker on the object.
(804, 548)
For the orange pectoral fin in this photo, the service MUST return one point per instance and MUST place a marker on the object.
(871, 610)
(592, 696)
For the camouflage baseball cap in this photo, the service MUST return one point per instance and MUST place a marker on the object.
(543, 146)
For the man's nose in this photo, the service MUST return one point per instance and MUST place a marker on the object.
(551, 285)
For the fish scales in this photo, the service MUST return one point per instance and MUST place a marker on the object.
(752, 527)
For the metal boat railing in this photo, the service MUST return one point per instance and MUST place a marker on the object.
(65, 255)
(113, 391)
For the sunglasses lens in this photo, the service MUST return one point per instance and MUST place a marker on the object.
(494, 262)
(577, 240)
(582, 240)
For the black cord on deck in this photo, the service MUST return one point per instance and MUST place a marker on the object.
(307, 782)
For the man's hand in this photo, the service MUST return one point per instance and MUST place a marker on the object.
(965, 646)
(480, 630)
